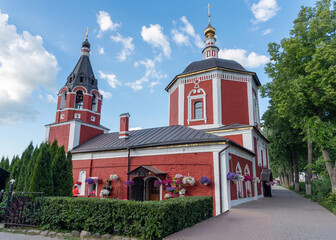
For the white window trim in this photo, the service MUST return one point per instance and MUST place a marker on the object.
(202, 97)
(239, 183)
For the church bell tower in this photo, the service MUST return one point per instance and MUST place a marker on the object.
(79, 105)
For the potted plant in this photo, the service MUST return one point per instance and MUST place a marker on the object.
(248, 178)
(166, 182)
(114, 177)
(157, 183)
(129, 183)
(89, 180)
(78, 183)
(204, 180)
(188, 180)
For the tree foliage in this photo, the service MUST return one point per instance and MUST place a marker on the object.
(303, 72)
(45, 168)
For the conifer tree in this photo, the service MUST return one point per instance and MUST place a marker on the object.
(60, 170)
(42, 175)
(30, 168)
(25, 160)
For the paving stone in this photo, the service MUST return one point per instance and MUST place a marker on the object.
(68, 235)
(125, 238)
(44, 233)
(84, 234)
(32, 231)
(76, 233)
(134, 238)
(285, 216)
(106, 236)
(24, 231)
(52, 233)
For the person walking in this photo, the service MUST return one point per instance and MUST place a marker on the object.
(75, 191)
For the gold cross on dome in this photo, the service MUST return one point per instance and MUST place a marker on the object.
(208, 7)
(87, 32)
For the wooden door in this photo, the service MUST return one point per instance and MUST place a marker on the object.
(153, 191)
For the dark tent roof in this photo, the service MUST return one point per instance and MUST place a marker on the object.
(82, 75)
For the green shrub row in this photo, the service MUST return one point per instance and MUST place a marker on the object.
(148, 220)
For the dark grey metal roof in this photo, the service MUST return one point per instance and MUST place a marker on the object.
(161, 136)
(82, 75)
(211, 63)
(149, 168)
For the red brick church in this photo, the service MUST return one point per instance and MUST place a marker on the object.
(214, 131)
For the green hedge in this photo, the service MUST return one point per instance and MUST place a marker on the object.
(149, 220)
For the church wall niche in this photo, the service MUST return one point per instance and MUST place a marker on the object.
(234, 102)
(207, 87)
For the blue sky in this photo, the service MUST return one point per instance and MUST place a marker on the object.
(137, 48)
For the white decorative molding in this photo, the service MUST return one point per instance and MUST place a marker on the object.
(93, 118)
(62, 116)
(76, 109)
(77, 116)
(202, 96)
(223, 75)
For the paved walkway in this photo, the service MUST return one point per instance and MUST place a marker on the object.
(285, 216)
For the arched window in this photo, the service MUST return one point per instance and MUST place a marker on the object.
(248, 183)
(63, 100)
(79, 100)
(198, 110)
(94, 105)
(239, 183)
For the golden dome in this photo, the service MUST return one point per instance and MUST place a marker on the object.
(210, 31)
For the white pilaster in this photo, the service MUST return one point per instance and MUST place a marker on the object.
(181, 104)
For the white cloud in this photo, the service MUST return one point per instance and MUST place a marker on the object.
(153, 84)
(189, 29)
(106, 95)
(101, 51)
(264, 10)
(52, 98)
(180, 38)
(251, 60)
(128, 46)
(105, 23)
(135, 128)
(111, 79)
(181, 35)
(154, 36)
(151, 73)
(267, 31)
(24, 67)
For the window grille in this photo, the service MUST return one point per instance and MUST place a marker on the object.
(198, 110)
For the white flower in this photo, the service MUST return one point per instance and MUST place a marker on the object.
(182, 191)
(114, 177)
(104, 193)
(189, 180)
(241, 177)
(167, 195)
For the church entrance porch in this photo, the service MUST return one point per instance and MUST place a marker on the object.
(144, 188)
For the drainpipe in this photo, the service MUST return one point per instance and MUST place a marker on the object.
(128, 169)
(220, 176)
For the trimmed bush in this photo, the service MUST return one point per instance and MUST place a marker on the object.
(149, 220)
